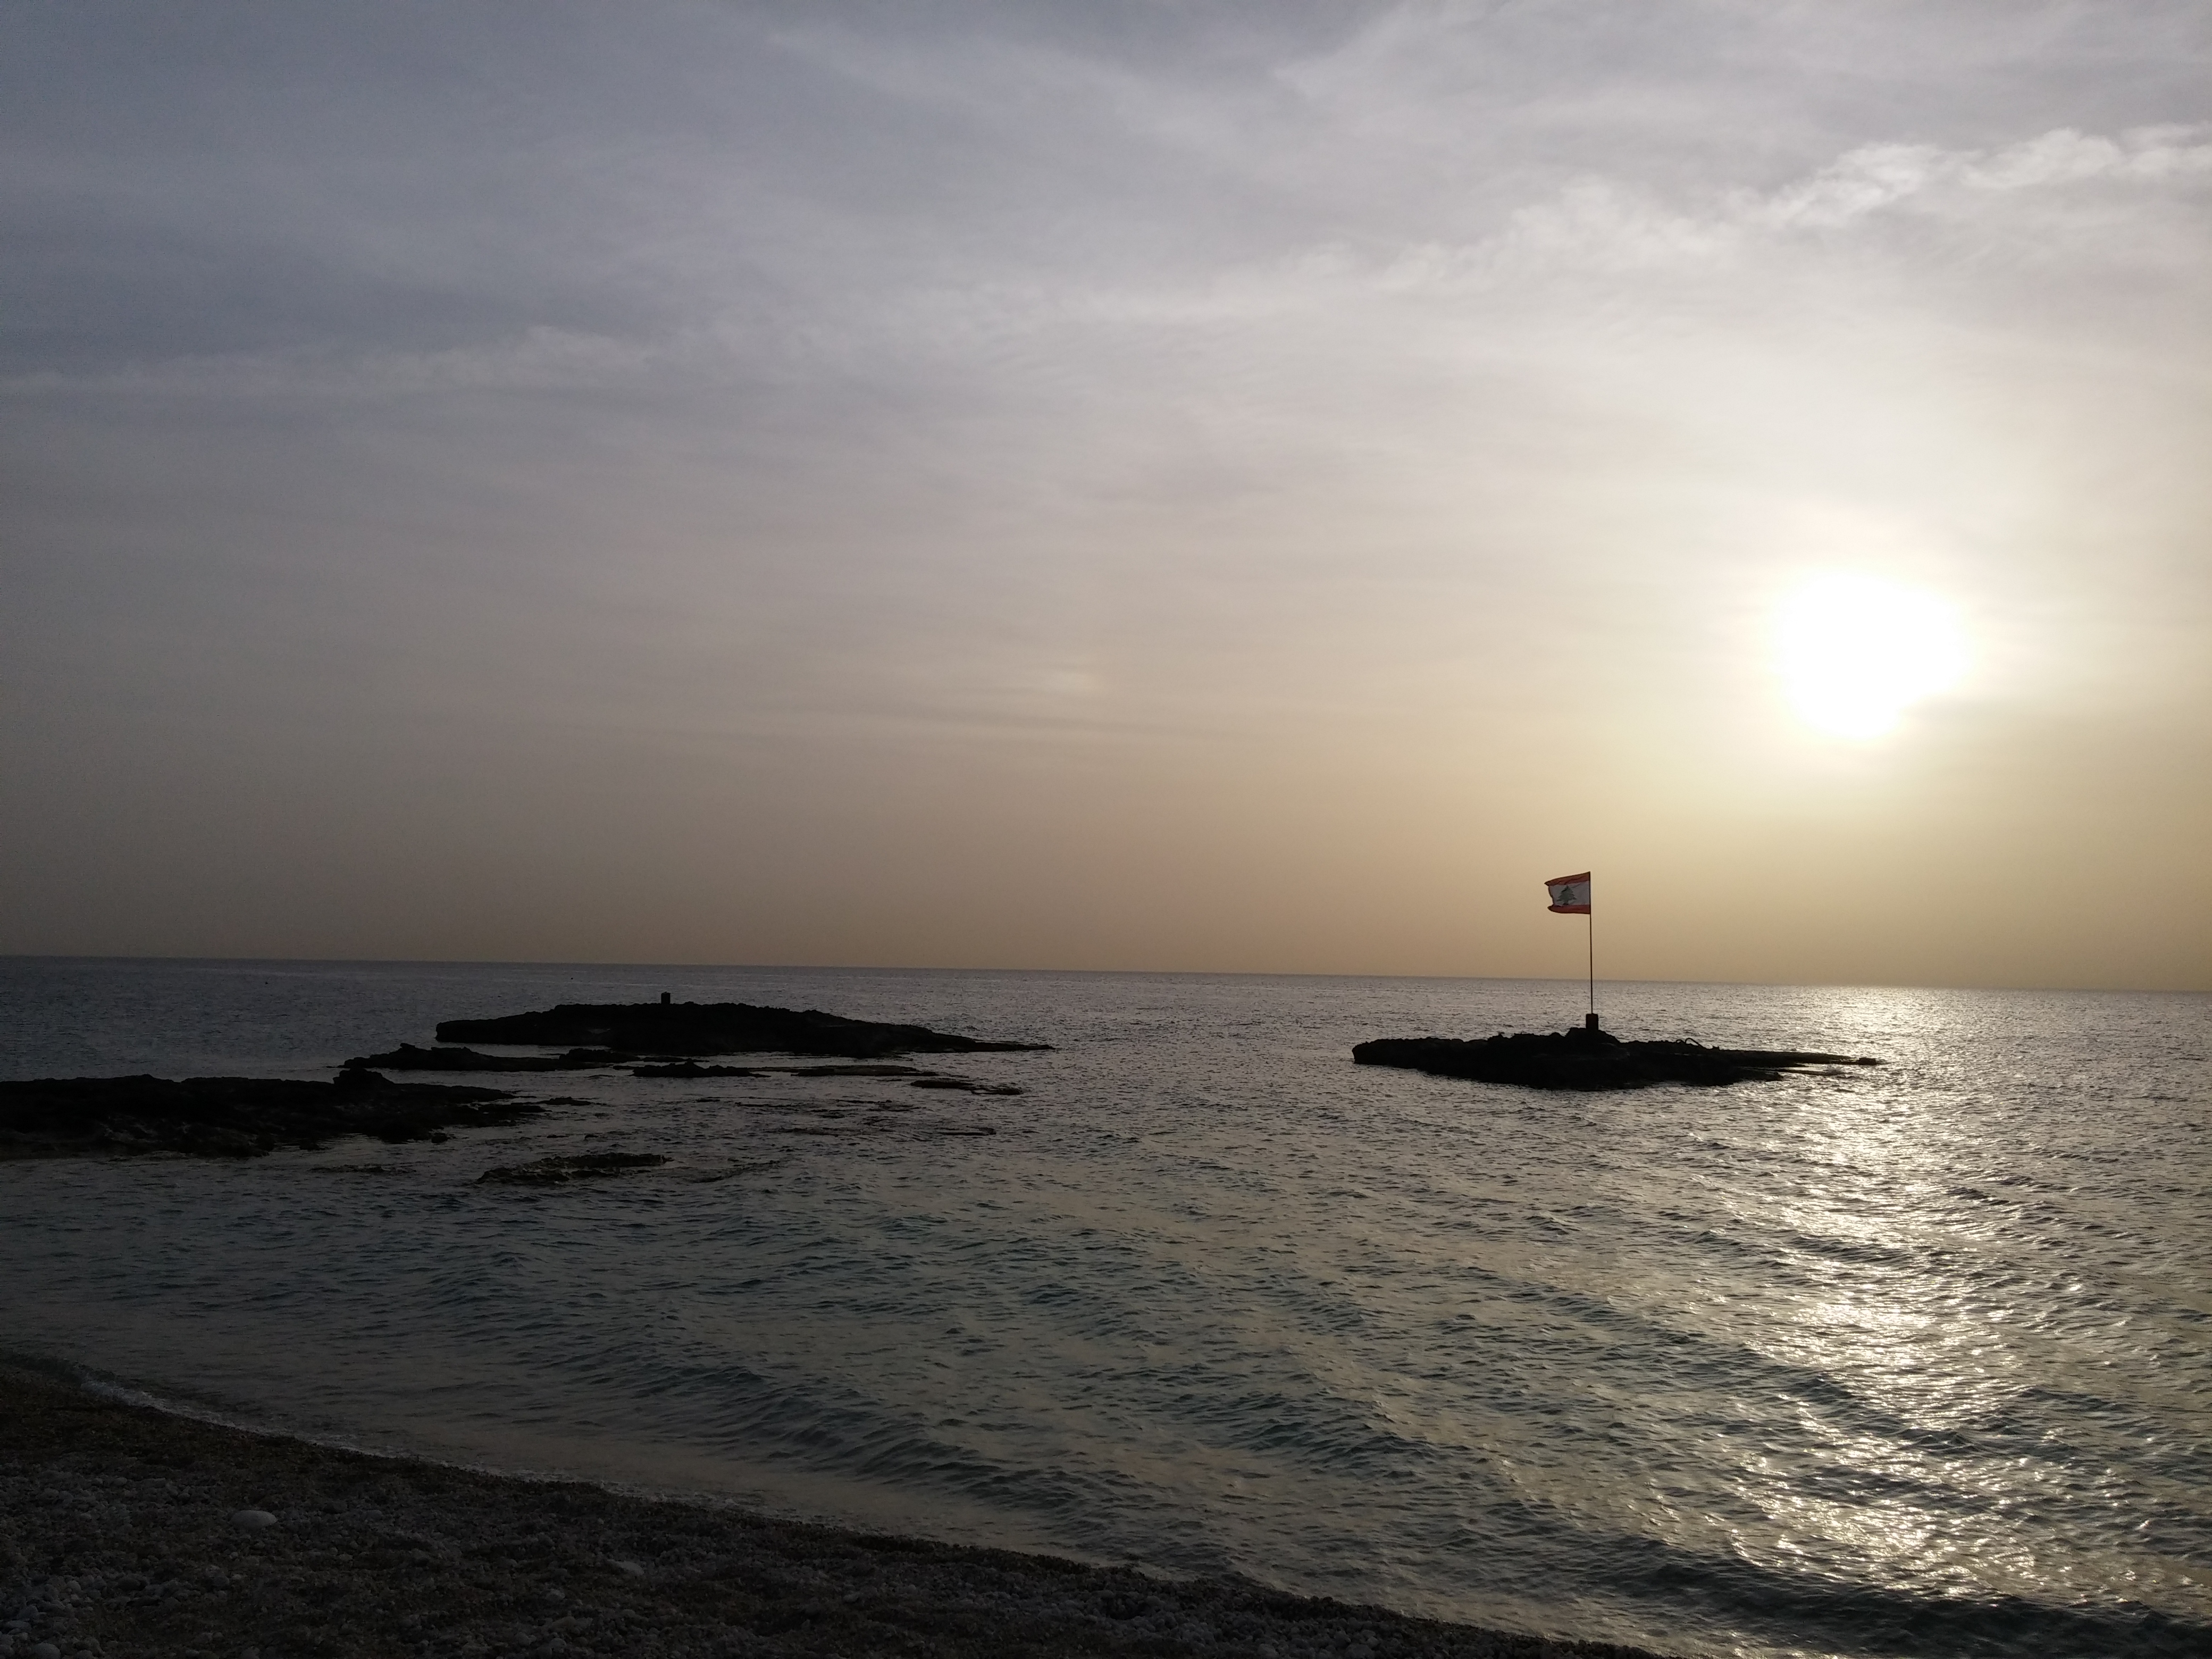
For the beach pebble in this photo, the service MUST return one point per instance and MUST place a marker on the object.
(255, 1519)
(44, 1650)
(629, 1568)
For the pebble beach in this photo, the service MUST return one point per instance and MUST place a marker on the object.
(126, 1531)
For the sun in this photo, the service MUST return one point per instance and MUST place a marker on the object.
(1855, 652)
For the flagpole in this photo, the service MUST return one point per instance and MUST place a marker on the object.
(1570, 895)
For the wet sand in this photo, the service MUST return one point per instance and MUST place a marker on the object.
(125, 1532)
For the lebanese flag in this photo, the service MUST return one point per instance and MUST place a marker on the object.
(1569, 894)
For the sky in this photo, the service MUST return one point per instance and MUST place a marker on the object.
(1153, 485)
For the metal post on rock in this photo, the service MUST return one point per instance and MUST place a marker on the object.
(1589, 919)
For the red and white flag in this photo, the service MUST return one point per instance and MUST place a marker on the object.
(1569, 894)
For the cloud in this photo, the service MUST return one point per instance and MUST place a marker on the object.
(979, 413)
(1879, 178)
(1593, 224)
(1603, 223)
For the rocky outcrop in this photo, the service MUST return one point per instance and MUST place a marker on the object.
(1588, 1061)
(234, 1116)
(409, 1058)
(715, 1028)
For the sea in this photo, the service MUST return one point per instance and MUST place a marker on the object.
(1907, 1359)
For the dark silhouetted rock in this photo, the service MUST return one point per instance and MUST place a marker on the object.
(409, 1058)
(693, 1068)
(560, 1171)
(714, 1027)
(234, 1116)
(1587, 1060)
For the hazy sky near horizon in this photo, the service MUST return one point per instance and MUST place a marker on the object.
(1148, 485)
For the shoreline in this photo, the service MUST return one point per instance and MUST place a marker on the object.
(128, 1531)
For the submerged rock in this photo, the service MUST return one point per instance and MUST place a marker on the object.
(1589, 1060)
(559, 1171)
(409, 1058)
(693, 1068)
(234, 1116)
(850, 1071)
(715, 1028)
(966, 1086)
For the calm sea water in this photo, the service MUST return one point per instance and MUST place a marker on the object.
(1916, 1360)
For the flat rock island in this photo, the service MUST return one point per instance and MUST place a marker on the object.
(716, 1028)
(234, 1116)
(1589, 1060)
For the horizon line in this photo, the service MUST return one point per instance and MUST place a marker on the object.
(1151, 973)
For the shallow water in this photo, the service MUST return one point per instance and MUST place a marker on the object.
(1915, 1359)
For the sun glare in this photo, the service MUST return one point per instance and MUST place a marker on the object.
(1857, 652)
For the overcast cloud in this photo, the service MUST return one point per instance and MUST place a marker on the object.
(1157, 485)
